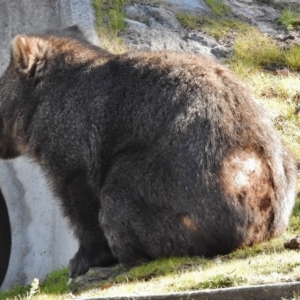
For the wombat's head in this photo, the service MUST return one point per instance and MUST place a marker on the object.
(38, 67)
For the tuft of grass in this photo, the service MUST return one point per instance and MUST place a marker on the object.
(217, 7)
(254, 50)
(54, 284)
(159, 267)
(289, 19)
(292, 57)
(216, 282)
(16, 292)
(190, 21)
(110, 15)
(223, 27)
(110, 23)
(294, 225)
(218, 28)
(280, 93)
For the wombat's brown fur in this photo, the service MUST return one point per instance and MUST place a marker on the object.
(152, 154)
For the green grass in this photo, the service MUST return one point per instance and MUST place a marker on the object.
(110, 15)
(15, 292)
(254, 49)
(217, 7)
(290, 18)
(216, 27)
(110, 23)
(54, 284)
(280, 93)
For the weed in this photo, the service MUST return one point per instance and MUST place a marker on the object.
(254, 49)
(159, 267)
(218, 28)
(56, 282)
(110, 23)
(223, 27)
(218, 281)
(289, 19)
(17, 291)
(217, 7)
(292, 57)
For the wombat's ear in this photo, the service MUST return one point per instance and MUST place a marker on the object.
(27, 55)
(74, 29)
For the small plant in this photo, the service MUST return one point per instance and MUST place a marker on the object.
(110, 23)
(191, 21)
(223, 27)
(16, 293)
(255, 50)
(292, 57)
(218, 28)
(218, 7)
(110, 15)
(219, 281)
(56, 282)
(289, 19)
(34, 288)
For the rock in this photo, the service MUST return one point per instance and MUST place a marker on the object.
(97, 276)
(159, 38)
(202, 38)
(156, 28)
(221, 52)
(135, 23)
(293, 244)
(194, 6)
(153, 16)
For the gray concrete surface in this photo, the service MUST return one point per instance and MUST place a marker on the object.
(41, 240)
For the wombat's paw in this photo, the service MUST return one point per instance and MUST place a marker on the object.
(86, 258)
(80, 263)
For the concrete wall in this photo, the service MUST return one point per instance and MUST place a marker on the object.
(41, 240)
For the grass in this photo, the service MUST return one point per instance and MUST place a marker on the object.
(110, 15)
(110, 23)
(254, 54)
(55, 284)
(216, 27)
(290, 18)
(217, 7)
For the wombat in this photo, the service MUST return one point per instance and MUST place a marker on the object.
(152, 154)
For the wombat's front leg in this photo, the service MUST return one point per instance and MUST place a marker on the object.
(86, 257)
(81, 207)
